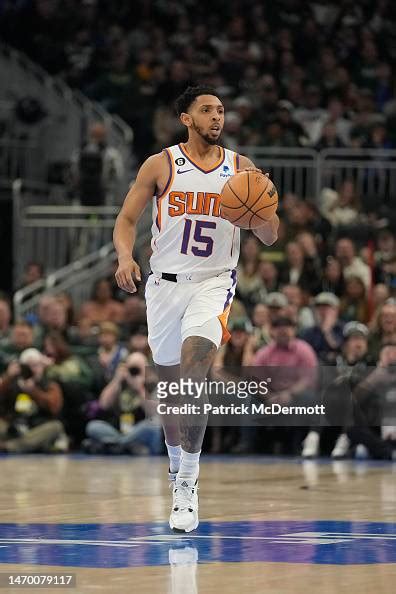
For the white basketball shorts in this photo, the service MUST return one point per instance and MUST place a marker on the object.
(173, 308)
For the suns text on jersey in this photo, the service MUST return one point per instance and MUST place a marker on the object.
(199, 203)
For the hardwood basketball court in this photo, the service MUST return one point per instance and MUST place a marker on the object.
(268, 525)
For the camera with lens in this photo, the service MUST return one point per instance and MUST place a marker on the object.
(26, 372)
(133, 370)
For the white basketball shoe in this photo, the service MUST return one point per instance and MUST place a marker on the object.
(184, 514)
(311, 445)
(341, 447)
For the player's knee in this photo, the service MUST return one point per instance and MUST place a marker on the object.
(211, 330)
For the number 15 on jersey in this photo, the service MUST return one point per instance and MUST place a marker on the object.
(198, 234)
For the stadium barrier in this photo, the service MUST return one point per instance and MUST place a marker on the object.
(58, 234)
(306, 172)
(66, 114)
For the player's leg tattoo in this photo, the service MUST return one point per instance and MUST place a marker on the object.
(196, 358)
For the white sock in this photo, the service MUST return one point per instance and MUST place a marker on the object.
(174, 453)
(189, 466)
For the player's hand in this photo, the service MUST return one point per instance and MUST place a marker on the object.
(127, 269)
(255, 169)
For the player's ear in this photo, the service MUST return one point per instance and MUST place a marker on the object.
(186, 119)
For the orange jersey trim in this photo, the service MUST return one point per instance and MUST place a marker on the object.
(168, 185)
(198, 166)
(223, 319)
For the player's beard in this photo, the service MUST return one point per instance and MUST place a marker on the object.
(206, 137)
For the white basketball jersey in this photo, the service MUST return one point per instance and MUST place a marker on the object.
(189, 234)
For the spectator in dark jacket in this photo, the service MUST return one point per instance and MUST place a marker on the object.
(326, 336)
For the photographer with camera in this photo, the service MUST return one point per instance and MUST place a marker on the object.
(125, 425)
(30, 406)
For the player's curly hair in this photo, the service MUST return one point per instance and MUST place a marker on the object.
(184, 101)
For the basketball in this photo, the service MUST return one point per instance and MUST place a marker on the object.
(248, 199)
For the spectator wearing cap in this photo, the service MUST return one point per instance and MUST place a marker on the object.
(286, 350)
(352, 358)
(355, 347)
(326, 336)
(30, 405)
(294, 369)
(353, 364)
(276, 303)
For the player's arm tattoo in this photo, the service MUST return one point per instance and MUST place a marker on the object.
(197, 356)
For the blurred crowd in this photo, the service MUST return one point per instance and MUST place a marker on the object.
(292, 73)
(77, 375)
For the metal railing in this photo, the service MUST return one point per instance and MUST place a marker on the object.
(306, 172)
(58, 235)
(293, 170)
(69, 112)
(372, 170)
(20, 159)
(76, 278)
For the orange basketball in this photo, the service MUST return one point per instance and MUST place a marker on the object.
(248, 199)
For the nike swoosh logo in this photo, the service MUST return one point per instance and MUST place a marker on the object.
(185, 170)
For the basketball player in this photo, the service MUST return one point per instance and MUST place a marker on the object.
(192, 285)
